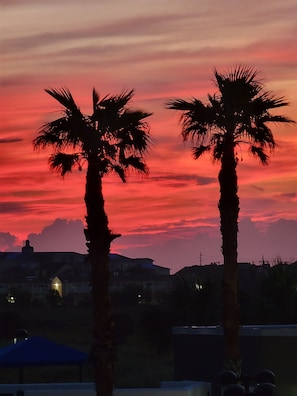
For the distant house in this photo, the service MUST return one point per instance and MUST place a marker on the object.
(33, 272)
(141, 274)
(68, 273)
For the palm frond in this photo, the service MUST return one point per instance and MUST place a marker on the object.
(96, 98)
(238, 88)
(198, 151)
(196, 117)
(267, 101)
(63, 163)
(240, 110)
(133, 117)
(179, 104)
(132, 132)
(64, 96)
(259, 152)
(47, 138)
(124, 97)
(63, 132)
(258, 132)
(119, 170)
(277, 118)
(116, 135)
(136, 163)
(115, 103)
(245, 73)
(109, 110)
(239, 75)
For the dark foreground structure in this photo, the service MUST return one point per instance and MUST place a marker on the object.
(199, 354)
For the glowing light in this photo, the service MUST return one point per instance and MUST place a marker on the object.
(11, 299)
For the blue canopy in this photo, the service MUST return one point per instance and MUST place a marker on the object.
(38, 351)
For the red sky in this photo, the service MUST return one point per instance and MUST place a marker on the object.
(162, 49)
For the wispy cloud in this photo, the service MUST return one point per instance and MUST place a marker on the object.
(14, 207)
(203, 181)
(10, 140)
(288, 196)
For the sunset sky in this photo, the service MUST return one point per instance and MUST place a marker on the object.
(163, 49)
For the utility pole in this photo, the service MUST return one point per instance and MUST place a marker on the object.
(200, 259)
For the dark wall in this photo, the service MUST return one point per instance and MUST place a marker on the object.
(200, 357)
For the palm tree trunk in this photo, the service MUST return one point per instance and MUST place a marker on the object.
(229, 209)
(99, 237)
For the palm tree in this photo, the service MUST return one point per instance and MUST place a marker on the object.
(237, 114)
(113, 139)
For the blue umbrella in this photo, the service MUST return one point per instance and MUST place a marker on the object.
(38, 351)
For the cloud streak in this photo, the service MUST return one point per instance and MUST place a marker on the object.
(10, 140)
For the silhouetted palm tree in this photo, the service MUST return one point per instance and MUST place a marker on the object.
(112, 139)
(237, 114)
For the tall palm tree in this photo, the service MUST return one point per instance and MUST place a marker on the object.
(237, 114)
(113, 139)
